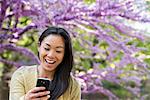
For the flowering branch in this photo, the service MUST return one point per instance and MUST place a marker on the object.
(103, 19)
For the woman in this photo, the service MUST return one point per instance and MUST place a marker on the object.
(56, 62)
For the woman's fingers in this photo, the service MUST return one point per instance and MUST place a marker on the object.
(40, 94)
(37, 93)
(42, 98)
(45, 97)
(37, 89)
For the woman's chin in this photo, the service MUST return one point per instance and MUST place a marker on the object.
(49, 67)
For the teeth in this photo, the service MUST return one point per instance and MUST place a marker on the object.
(50, 61)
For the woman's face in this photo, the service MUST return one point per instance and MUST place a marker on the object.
(51, 52)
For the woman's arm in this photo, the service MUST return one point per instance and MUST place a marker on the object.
(18, 92)
(76, 90)
(17, 87)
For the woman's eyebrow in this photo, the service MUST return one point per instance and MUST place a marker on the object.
(56, 47)
(60, 47)
(48, 44)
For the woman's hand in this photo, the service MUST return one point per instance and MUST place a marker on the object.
(37, 93)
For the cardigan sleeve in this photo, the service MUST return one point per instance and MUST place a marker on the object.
(76, 90)
(17, 89)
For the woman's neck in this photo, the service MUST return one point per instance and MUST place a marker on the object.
(42, 73)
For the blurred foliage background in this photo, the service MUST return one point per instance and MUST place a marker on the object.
(83, 63)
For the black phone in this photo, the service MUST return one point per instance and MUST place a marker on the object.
(43, 82)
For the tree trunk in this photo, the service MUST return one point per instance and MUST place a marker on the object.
(4, 91)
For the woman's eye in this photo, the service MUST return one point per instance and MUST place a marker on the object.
(58, 51)
(47, 49)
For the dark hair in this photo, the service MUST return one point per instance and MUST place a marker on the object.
(60, 82)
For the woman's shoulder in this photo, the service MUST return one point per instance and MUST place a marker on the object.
(74, 81)
(26, 69)
(74, 90)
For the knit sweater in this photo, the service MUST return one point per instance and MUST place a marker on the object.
(25, 78)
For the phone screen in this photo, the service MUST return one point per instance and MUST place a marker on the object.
(43, 82)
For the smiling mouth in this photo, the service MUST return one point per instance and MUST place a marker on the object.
(50, 61)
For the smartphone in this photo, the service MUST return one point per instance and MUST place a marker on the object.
(43, 82)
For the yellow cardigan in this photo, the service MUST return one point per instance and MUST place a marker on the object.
(25, 78)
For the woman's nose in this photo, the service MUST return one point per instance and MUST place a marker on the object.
(51, 54)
